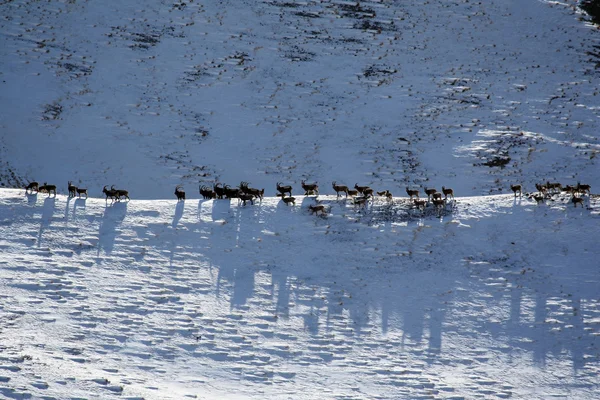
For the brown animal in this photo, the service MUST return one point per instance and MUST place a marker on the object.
(385, 193)
(352, 192)
(368, 192)
(539, 198)
(360, 189)
(420, 204)
(231, 193)
(179, 193)
(339, 188)
(82, 191)
(412, 193)
(541, 188)
(72, 189)
(316, 209)
(289, 200)
(554, 186)
(361, 201)
(207, 193)
(120, 193)
(219, 190)
(310, 188)
(447, 192)
(47, 188)
(284, 189)
(109, 193)
(577, 200)
(515, 189)
(31, 186)
(570, 189)
(438, 203)
(583, 188)
(437, 196)
(253, 191)
(429, 192)
(244, 197)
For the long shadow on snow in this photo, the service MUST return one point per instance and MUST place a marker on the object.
(114, 214)
(337, 279)
(47, 213)
(404, 290)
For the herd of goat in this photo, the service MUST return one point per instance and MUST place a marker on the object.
(360, 195)
(547, 190)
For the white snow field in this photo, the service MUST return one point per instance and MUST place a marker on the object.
(497, 298)
(492, 297)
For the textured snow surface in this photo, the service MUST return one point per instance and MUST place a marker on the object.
(492, 297)
(497, 298)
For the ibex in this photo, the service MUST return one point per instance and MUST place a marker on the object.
(31, 186)
(541, 188)
(584, 188)
(248, 190)
(360, 188)
(570, 189)
(120, 193)
(310, 188)
(289, 200)
(244, 197)
(515, 189)
(368, 192)
(554, 186)
(430, 192)
(386, 194)
(412, 193)
(539, 198)
(72, 189)
(284, 189)
(315, 209)
(437, 196)
(420, 204)
(447, 192)
(231, 193)
(207, 193)
(439, 203)
(339, 188)
(352, 192)
(219, 190)
(179, 193)
(577, 200)
(361, 201)
(82, 191)
(109, 193)
(47, 188)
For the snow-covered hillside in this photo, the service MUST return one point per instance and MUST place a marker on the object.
(498, 298)
(495, 297)
(150, 94)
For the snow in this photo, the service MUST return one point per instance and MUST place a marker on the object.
(156, 299)
(492, 297)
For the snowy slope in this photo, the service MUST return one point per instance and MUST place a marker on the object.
(497, 298)
(147, 95)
